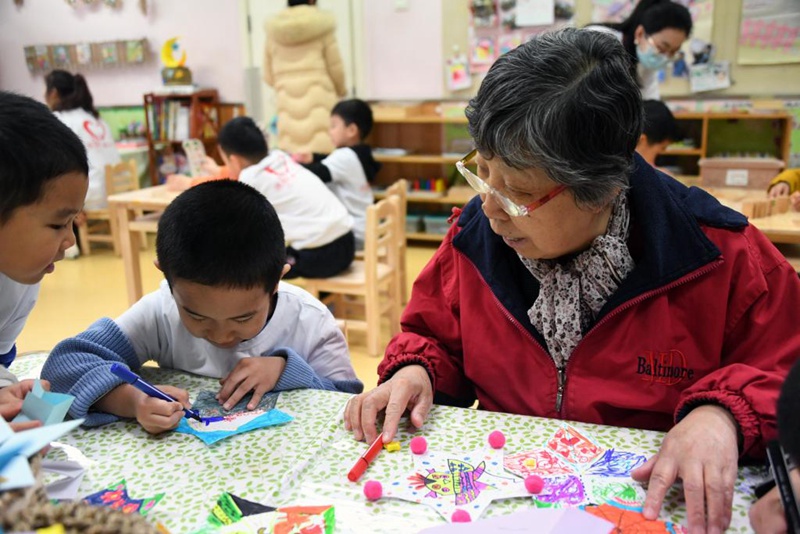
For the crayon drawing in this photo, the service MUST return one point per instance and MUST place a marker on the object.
(116, 496)
(615, 463)
(574, 447)
(630, 521)
(536, 462)
(565, 490)
(447, 482)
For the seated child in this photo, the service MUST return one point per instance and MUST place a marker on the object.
(350, 168)
(660, 130)
(222, 312)
(318, 228)
(43, 183)
(786, 183)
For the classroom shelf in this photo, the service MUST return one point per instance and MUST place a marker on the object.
(683, 152)
(418, 158)
(422, 236)
(421, 120)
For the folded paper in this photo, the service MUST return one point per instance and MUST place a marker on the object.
(45, 406)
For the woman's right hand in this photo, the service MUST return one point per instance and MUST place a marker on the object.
(410, 388)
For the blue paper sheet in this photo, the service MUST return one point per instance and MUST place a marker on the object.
(230, 426)
(45, 406)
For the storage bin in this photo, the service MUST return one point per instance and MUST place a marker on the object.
(751, 173)
(414, 224)
(436, 224)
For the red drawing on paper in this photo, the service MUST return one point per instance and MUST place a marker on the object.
(536, 462)
(573, 446)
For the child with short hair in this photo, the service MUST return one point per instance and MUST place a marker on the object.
(222, 312)
(318, 227)
(660, 131)
(350, 169)
(43, 182)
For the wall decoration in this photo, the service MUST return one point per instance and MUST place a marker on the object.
(43, 58)
(769, 32)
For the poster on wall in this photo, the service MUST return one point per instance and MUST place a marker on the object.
(457, 73)
(710, 76)
(769, 32)
(535, 12)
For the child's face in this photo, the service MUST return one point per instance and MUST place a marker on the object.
(36, 235)
(222, 316)
(342, 134)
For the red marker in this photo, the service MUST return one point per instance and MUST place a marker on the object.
(365, 459)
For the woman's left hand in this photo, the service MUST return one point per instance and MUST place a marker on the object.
(702, 451)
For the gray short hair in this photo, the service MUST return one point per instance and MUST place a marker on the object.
(564, 102)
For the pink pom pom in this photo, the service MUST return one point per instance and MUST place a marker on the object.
(373, 490)
(418, 445)
(460, 516)
(534, 484)
(497, 439)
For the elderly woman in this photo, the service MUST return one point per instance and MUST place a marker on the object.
(583, 284)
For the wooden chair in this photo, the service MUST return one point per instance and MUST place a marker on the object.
(120, 178)
(373, 279)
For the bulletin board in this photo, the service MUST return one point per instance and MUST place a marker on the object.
(769, 32)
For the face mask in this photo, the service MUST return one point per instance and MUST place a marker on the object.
(651, 58)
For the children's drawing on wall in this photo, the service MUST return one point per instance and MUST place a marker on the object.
(457, 73)
(484, 13)
(482, 54)
(507, 43)
(769, 32)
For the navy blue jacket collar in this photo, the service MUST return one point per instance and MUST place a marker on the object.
(666, 242)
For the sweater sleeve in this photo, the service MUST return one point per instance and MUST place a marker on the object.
(333, 61)
(80, 366)
(298, 374)
(790, 177)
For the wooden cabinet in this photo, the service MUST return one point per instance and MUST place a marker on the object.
(421, 142)
(174, 117)
(721, 134)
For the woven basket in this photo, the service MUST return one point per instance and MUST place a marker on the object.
(28, 509)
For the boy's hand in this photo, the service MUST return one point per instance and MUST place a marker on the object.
(258, 374)
(156, 415)
(11, 397)
(303, 157)
(178, 182)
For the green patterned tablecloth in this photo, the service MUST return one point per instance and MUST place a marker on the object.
(306, 461)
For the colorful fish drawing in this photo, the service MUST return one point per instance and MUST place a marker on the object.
(461, 482)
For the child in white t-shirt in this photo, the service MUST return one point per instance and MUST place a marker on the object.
(43, 182)
(350, 169)
(318, 227)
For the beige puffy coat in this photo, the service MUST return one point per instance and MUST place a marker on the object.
(303, 64)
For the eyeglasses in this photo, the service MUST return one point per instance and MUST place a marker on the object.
(510, 207)
(669, 53)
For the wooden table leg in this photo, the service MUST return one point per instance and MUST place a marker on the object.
(129, 244)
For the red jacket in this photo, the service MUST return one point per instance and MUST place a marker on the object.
(708, 315)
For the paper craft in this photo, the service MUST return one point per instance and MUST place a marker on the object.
(62, 479)
(629, 521)
(537, 521)
(234, 421)
(285, 520)
(615, 463)
(208, 406)
(231, 509)
(537, 462)
(16, 448)
(573, 447)
(44, 406)
(116, 497)
(450, 481)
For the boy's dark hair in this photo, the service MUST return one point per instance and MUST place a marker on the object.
(659, 122)
(789, 413)
(221, 233)
(35, 147)
(242, 137)
(355, 111)
(72, 91)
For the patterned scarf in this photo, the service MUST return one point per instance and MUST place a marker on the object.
(572, 292)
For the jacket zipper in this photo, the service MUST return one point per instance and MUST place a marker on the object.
(561, 371)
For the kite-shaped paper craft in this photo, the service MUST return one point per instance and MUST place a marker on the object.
(45, 406)
(231, 422)
(627, 521)
(573, 447)
(457, 481)
(116, 497)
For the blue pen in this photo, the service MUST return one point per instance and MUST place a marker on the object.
(136, 381)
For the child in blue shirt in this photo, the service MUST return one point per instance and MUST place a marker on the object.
(43, 182)
(221, 312)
